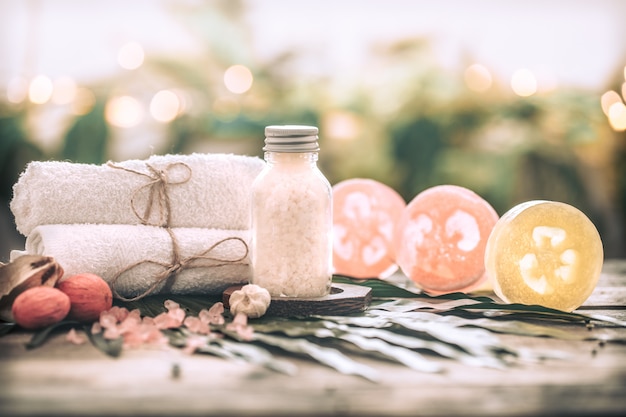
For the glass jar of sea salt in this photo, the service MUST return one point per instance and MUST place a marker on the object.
(291, 249)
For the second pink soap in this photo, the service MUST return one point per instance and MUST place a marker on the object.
(441, 236)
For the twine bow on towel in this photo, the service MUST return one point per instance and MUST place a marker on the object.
(178, 264)
(159, 180)
(157, 186)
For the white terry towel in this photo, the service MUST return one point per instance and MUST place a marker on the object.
(204, 190)
(106, 250)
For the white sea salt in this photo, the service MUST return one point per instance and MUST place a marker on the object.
(292, 217)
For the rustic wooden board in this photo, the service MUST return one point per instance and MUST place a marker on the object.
(343, 299)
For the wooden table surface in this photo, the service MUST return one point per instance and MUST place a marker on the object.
(64, 379)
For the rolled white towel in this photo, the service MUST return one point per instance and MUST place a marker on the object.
(202, 190)
(210, 260)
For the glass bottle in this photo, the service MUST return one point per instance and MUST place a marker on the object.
(291, 243)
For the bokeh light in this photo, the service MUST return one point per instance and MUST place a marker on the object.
(341, 125)
(130, 56)
(64, 90)
(124, 111)
(17, 90)
(40, 89)
(165, 106)
(478, 78)
(617, 116)
(524, 83)
(608, 99)
(238, 79)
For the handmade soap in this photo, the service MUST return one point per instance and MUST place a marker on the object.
(441, 236)
(545, 253)
(365, 213)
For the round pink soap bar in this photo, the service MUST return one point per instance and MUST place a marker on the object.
(441, 236)
(544, 253)
(364, 216)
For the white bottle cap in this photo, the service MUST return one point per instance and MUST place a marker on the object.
(291, 138)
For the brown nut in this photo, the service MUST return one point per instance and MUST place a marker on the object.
(89, 295)
(40, 307)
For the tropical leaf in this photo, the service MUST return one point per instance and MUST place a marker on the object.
(257, 355)
(6, 328)
(606, 319)
(380, 288)
(385, 289)
(413, 341)
(233, 350)
(399, 354)
(327, 356)
(495, 309)
(456, 303)
(328, 329)
(110, 347)
(176, 337)
(509, 326)
(355, 329)
(482, 346)
(41, 336)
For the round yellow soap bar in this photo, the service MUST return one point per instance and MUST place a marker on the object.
(544, 253)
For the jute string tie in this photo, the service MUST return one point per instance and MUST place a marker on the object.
(158, 196)
(157, 188)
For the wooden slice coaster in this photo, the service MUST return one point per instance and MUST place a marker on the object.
(343, 299)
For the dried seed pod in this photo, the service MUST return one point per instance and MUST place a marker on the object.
(25, 272)
(40, 307)
(252, 300)
(89, 294)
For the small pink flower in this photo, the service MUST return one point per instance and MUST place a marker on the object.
(164, 321)
(171, 305)
(96, 327)
(136, 313)
(193, 343)
(107, 320)
(196, 325)
(155, 337)
(75, 338)
(120, 313)
(111, 333)
(205, 316)
(240, 326)
(129, 323)
(246, 333)
(178, 315)
(133, 339)
(240, 319)
(215, 314)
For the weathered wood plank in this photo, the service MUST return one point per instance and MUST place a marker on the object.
(604, 297)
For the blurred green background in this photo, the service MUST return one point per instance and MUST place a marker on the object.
(400, 106)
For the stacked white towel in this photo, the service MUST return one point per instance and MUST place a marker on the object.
(131, 257)
(215, 195)
(130, 222)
